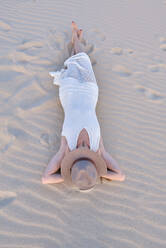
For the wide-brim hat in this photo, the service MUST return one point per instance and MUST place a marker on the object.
(84, 153)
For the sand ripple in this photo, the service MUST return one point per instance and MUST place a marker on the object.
(126, 43)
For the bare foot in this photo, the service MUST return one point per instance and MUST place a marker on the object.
(74, 26)
(80, 34)
(76, 33)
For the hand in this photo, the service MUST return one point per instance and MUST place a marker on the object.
(55, 178)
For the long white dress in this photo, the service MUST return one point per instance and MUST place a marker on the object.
(78, 92)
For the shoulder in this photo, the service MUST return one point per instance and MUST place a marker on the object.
(64, 146)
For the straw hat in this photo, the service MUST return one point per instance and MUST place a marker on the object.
(84, 153)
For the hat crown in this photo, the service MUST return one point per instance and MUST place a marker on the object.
(84, 174)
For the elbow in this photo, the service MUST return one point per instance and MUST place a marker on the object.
(44, 180)
(122, 177)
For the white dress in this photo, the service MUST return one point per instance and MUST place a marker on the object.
(78, 94)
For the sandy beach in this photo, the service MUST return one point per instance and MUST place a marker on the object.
(126, 41)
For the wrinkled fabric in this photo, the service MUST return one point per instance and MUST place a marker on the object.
(78, 94)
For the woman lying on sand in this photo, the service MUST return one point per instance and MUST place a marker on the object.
(81, 157)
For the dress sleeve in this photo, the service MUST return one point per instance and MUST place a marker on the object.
(56, 75)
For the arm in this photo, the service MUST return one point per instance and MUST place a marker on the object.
(53, 166)
(114, 172)
(56, 178)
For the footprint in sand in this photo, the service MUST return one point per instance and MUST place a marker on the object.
(45, 139)
(130, 51)
(163, 43)
(154, 68)
(56, 39)
(94, 39)
(50, 141)
(120, 51)
(7, 139)
(20, 135)
(30, 45)
(89, 48)
(5, 147)
(6, 197)
(95, 35)
(4, 26)
(35, 103)
(149, 93)
(17, 132)
(157, 67)
(21, 57)
(121, 70)
(117, 50)
(29, 50)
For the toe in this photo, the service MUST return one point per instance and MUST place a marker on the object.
(74, 25)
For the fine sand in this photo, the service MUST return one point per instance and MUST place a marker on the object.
(126, 41)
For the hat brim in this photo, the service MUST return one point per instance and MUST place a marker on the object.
(84, 153)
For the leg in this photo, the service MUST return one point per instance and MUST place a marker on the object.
(77, 45)
(72, 47)
(76, 38)
(72, 51)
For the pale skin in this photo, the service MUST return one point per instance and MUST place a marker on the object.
(114, 172)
